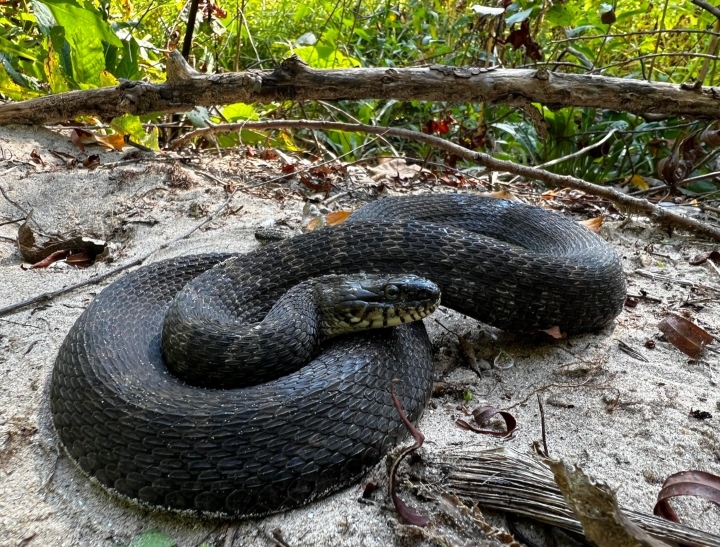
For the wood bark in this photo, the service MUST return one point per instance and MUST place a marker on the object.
(295, 80)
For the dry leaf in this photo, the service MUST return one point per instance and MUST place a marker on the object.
(91, 162)
(502, 194)
(35, 248)
(80, 138)
(685, 335)
(54, 257)
(638, 182)
(36, 157)
(687, 483)
(410, 515)
(116, 141)
(704, 257)
(593, 224)
(554, 332)
(338, 217)
(482, 415)
(395, 168)
(596, 507)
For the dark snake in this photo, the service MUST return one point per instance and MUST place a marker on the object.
(144, 434)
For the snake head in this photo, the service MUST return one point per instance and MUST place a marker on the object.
(353, 303)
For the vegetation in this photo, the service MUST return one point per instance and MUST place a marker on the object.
(51, 46)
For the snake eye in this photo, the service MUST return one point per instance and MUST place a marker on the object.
(392, 292)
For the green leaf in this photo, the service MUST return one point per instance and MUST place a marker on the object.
(6, 46)
(83, 16)
(54, 73)
(12, 90)
(44, 16)
(129, 67)
(240, 111)
(320, 56)
(518, 17)
(86, 54)
(561, 15)
(128, 124)
(62, 49)
(85, 32)
(152, 538)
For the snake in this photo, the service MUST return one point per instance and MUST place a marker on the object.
(270, 445)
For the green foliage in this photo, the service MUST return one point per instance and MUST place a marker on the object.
(52, 46)
(152, 538)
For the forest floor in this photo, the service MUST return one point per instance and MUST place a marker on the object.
(625, 421)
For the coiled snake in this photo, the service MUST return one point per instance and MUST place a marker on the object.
(143, 433)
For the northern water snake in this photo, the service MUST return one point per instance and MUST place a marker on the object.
(146, 435)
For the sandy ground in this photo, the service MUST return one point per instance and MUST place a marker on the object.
(630, 425)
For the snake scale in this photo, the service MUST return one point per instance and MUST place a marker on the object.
(144, 434)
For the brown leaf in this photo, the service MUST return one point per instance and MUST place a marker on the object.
(80, 259)
(522, 37)
(685, 335)
(36, 157)
(704, 257)
(686, 483)
(35, 248)
(269, 154)
(338, 217)
(595, 505)
(395, 169)
(319, 186)
(116, 141)
(554, 332)
(482, 415)
(91, 162)
(80, 138)
(673, 170)
(607, 17)
(54, 257)
(710, 136)
(593, 224)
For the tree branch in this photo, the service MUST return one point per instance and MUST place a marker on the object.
(295, 80)
(708, 7)
(628, 204)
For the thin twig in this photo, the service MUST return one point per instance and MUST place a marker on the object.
(676, 281)
(10, 201)
(579, 152)
(542, 426)
(45, 297)
(623, 201)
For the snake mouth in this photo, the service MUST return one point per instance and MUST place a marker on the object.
(379, 301)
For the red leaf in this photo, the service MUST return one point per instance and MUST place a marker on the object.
(687, 483)
(482, 414)
(54, 257)
(410, 515)
(685, 335)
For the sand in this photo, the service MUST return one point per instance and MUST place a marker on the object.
(629, 423)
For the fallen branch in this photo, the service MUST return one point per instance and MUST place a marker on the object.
(624, 202)
(293, 79)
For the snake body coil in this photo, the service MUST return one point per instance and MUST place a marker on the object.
(146, 435)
